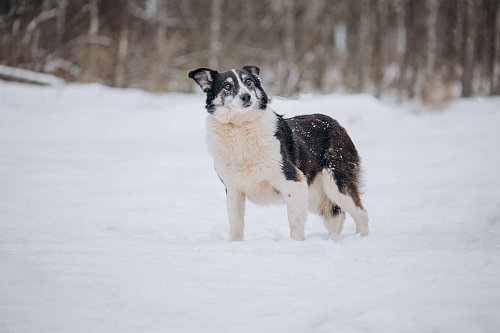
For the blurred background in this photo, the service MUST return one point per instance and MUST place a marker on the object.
(432, 50)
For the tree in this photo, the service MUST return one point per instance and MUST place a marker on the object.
(415, 48)
(468, 50)
(215, 34)
(430, 84)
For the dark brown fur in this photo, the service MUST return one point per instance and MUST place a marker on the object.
(316, 142)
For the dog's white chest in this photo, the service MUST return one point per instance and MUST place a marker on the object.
(247, 156)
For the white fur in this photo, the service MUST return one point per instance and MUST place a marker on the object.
(334, 224)
(246, 153)
(296, 197)
(243, 87)
(235, 202)
(248, 160)
(236, 102)
(317, 197)
(345, 202)
(320, 203)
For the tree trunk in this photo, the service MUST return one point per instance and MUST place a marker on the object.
(401, 47)
(290, 46)
(92, 58)
(94, 17)
(123, 45)
(162, 45)
(378, 63)
(495, 54)
(469, 43)
(429, 89)
(326, 45)
(61, 20)
(161, 30)
(286, 63)
(364, 45)
(215, 40)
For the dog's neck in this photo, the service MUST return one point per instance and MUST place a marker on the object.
(227, 116)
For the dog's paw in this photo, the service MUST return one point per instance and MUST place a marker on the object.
(236, 237)
(297, 235)
(364, 231)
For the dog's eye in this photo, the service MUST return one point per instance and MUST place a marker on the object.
(248, 82)
(228, 86)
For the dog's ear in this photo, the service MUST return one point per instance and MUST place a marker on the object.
(254, 70)
(204, 77)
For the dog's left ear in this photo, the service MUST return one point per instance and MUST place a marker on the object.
(254, 70)
(204, 77)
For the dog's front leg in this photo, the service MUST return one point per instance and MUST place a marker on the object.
(235, 202)
(296, 198)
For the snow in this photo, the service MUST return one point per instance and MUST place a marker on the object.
(112, 219)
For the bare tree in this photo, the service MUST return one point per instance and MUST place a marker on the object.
(493, 45)
(161, 29)
(326, 43)
(495, 80)
(46, 14)
(321, 45)
(286, 71)
(61, 20)
(401, 46)
(378, 61)
(469, 40)
(430, 84)
(123, 46)
(94, 17)
(215, 36)
(364, 45)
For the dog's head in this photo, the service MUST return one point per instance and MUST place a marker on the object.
(236, 89)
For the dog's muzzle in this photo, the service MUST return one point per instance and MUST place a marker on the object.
(246, 99)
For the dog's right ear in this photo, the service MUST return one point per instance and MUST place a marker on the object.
(204, 77)
(254, 70)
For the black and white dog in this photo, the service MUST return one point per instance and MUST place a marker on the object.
(308, 162)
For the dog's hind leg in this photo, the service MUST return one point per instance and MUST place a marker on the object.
(334, 219)
(342, 220)
(351, 202)
(235, 202)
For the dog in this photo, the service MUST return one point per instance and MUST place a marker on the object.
(307, 162)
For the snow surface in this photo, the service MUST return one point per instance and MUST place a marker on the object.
(112, 219)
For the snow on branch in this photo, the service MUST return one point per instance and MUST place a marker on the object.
(52, 63)
(29, 76)
(145, 15)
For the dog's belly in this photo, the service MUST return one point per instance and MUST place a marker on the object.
(255, 181)
(262, 193)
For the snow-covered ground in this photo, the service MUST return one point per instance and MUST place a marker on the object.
(112, 219)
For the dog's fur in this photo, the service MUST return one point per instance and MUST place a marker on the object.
(308, 162)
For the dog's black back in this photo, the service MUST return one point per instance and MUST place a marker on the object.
(316, 142)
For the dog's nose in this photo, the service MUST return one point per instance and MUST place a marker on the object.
(245, 98)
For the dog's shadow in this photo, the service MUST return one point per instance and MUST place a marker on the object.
(318, 236)
(326, 236)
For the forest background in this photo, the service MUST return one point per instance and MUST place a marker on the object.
(429, 49)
